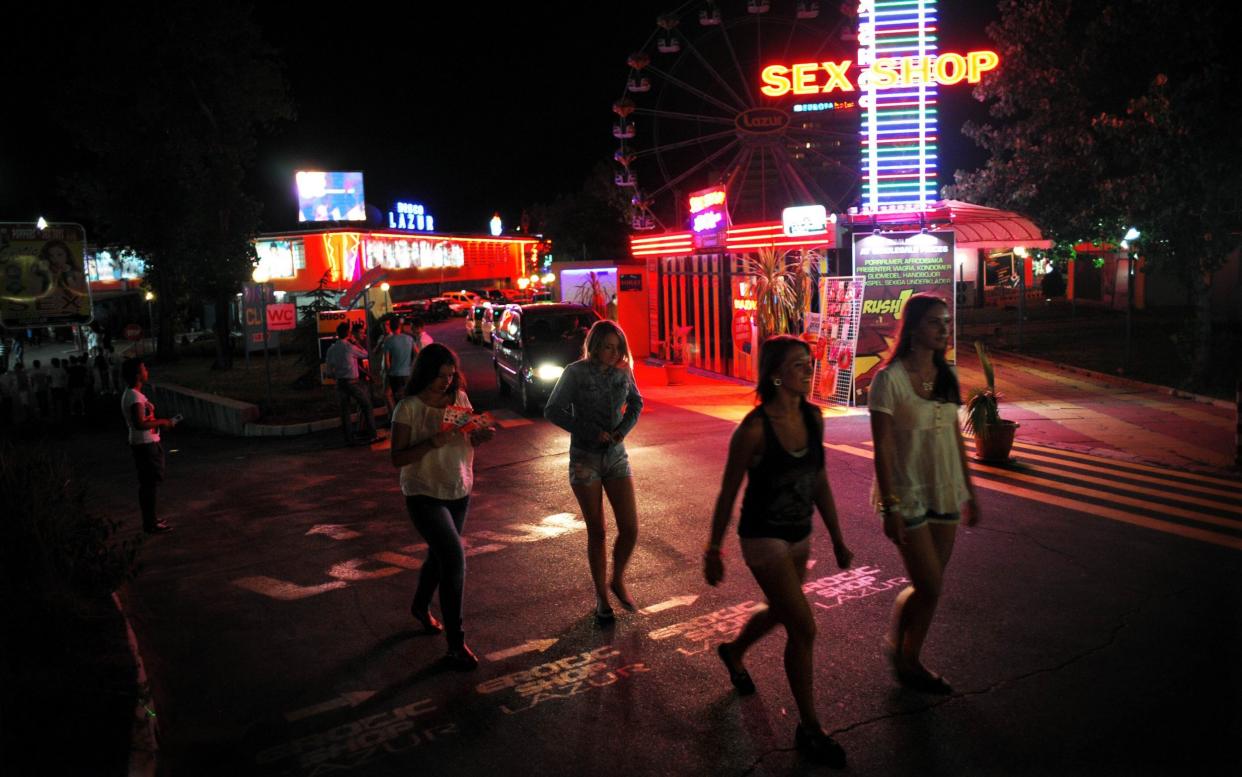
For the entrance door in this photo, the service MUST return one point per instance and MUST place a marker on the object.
(694, 294)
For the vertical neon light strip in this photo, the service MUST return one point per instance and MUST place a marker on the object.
(899, 132)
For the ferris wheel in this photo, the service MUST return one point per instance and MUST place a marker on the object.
(693, 115)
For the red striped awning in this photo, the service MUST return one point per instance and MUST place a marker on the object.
(976, 226)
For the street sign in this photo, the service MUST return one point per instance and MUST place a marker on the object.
(42, 275)
(133, 332)
(281, 317)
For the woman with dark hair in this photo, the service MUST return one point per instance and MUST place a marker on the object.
(778, 447)
(436, 458)
(922, 483)
(596, 400)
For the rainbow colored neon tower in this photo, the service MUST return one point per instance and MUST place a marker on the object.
(899, 133)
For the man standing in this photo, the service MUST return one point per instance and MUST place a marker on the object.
(41, 381)
(342, 360)
(398, 350)
(144, 441)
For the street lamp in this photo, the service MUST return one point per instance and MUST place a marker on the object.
(149, 297)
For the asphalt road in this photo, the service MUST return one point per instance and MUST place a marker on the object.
(275, 630)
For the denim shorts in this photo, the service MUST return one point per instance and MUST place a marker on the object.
(931, 516)
(589, 466)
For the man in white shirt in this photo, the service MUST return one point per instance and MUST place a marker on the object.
(342, 360)
(144, 441)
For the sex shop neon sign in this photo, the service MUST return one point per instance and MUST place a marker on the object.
(884, 73)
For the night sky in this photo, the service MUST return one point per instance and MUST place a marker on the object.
(468, 108)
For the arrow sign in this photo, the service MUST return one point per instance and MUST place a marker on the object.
(333, 530)
(529, 646)
(676, 601)
(344, 700)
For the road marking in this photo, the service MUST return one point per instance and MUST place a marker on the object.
(333, 530)
(351, 699)
(1100, 511)
(283, 589)
(1135, 465)
(668, 604)
(529, 646)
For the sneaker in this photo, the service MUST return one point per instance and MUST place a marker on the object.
(819, 747)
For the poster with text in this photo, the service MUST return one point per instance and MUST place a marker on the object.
(43, 275)
(897, 265)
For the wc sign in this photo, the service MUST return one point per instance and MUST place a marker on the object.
(281, 317)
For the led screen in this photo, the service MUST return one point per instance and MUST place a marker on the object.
(330, 196)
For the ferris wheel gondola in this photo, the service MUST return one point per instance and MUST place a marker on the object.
(704, 121)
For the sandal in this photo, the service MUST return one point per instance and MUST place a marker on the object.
(739, 677)
(819, 747)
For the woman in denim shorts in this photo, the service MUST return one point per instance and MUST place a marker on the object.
(922, 483)
(596, 400)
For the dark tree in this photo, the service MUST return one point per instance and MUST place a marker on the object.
(590, 224)
(1110, 114)
(169, 102)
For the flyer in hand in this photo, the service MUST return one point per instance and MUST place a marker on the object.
(463, 420)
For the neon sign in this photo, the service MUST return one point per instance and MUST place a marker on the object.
(883, 73)
(708, 217)
(411, 215)
(402, 254)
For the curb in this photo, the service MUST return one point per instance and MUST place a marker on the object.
(300, 428)
(1118, 380)
(144, 741)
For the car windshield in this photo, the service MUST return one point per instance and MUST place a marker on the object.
(557, 327)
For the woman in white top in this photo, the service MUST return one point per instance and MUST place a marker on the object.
(437, 471)
(922, 484)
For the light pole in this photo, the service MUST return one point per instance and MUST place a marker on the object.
(150, 296)
(260, 277)
(1019, 254)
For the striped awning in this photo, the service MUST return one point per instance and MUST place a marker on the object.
(976, 226)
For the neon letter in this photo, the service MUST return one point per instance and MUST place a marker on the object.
(943, 63)
(776, 82)
(883, 73)
(837, 77)
(979, 62)
(804, 78)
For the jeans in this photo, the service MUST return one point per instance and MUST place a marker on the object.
(440, 522)
(349, 391)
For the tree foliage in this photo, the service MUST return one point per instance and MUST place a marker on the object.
(168, 107)
(1108, 114)
(589, 224)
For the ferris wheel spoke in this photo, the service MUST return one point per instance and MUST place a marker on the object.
(715, 73)
(737, 65)
(705, 161)
(839, 168)
(694, 90)
(662, 114)
(834, 35)
(786, 165)
(684, 143)
(740, 173)
(820, 133)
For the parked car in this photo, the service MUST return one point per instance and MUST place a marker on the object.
(532, 344)
(434, 309)
(480, 322)
(461, 301)
(492, 294)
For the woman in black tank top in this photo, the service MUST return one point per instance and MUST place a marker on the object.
(778, 447)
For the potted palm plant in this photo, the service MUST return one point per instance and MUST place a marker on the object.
(675, 356)
(993, 435)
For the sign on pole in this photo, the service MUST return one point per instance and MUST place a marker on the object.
(254, 296)
(42, 275)
(281, 317)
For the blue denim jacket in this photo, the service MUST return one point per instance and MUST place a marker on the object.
(588, 399)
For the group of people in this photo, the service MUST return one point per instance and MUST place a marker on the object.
(57, 392)
(922, 488)
(350, 364)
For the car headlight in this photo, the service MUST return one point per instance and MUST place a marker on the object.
(549, 372)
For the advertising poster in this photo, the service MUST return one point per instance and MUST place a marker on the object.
(253, 311)
(42, 275)
(835, 332)
(897, 265)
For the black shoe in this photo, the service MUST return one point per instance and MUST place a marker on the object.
(923, 681)
(740, 678)
(431, 624)
(604, 615)
(160, 527)
(819, 747)
(461, 658)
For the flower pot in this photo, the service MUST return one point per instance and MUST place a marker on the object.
(675, 374)
(994, 444)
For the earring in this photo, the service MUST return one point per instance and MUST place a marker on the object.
(776, 381)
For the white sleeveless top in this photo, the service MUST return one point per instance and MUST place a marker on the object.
(927, 466)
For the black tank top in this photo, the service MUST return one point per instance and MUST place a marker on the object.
(780, 488)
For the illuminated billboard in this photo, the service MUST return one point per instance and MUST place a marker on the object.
(330, 196)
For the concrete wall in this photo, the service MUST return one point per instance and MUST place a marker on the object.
(202, 410)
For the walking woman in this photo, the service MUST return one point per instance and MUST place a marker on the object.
(778, 447)
(596, 400)
(437, 471)
(922, 484)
